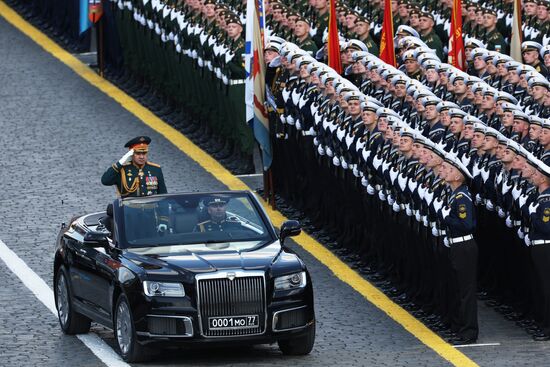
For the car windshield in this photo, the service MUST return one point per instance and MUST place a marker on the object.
(192, 222)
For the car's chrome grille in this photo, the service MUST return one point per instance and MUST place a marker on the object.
(238, 297)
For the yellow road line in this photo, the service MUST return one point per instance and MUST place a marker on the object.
(339, 268)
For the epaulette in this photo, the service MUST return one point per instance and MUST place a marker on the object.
(207, 221)
(126, 164)
(458, 196)
(153, 164)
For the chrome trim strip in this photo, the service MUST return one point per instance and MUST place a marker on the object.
(276, 314)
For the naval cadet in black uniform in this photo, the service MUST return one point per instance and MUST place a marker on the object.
(133, 174)
(460, 222)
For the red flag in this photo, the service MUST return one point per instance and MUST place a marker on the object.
(457, 56)
(333, 47)
(387, 49)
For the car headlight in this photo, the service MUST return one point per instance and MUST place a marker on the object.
(291, 281)
(163, 289)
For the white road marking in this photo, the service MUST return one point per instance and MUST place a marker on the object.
(477, 345)
(251, 175)
(41, 290)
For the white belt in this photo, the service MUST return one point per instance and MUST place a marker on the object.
(540, 242)
(460, 239)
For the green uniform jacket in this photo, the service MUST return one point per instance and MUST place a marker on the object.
(495, 42)
(309, 46)
(433, 41)
(130, 180)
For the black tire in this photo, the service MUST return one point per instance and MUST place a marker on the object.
(71, 322)
(131, 351)
(298, 346)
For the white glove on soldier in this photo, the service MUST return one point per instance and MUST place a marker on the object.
(126, 157)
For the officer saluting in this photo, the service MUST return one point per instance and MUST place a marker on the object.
(460, 222)
(133, 175)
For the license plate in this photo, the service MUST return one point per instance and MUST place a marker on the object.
(233, 322)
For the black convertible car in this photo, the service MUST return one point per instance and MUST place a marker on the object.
(184, 268)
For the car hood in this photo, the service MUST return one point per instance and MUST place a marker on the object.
(186, 262)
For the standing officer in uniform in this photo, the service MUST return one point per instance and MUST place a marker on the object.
(539, 239)
(460, 222)
(133, 175)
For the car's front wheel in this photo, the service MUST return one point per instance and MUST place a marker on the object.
(130, 349)
(71, 321)
(299, 346)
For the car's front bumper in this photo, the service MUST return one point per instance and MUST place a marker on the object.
(283, 321)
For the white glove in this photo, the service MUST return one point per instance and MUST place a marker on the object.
(321, 150)
(391, 200)
(408, 210)
(315, 141)
(478, 199)
(533, 208)
(516, 192)
(298, 125)
(344, 163)
(446, 242)
(425, 221)
(329, 152)
(484, 174)
(381, 195)
(335, 161)
(290, 120)
(365, 183)
(509, 223)
(417, 216)
(527, 240)
(126, 157)
(435, 232)
(500, 212)
(522, 200)
(396, 208)
(445, 212)
(521, 235)
(162, 228)
(489, 205)
(437, 203)
(370, 189)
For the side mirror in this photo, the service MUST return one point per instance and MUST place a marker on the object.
(96, 239)
(290, 228)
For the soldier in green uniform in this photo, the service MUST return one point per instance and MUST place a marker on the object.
(236, 64)
(321, 6)
(219, 221)
(493, 38)
(362, 32)
(303, 39)
(133, 175)
(428, 35)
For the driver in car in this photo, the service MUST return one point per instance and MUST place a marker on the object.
(219, 221)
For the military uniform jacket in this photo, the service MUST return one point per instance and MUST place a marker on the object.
(225, 225)
(130, 180)
(540, 219)
(461, 220)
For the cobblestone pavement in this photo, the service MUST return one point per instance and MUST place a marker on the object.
(58, 135)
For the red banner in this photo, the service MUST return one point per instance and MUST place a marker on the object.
(387, 49)
(95, 10)
(333, 47)
(457, 56)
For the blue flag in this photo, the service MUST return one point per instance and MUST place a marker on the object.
(84, 21)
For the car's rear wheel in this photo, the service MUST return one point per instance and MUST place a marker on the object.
(130, 349)
(299, 346)
(71, 322)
